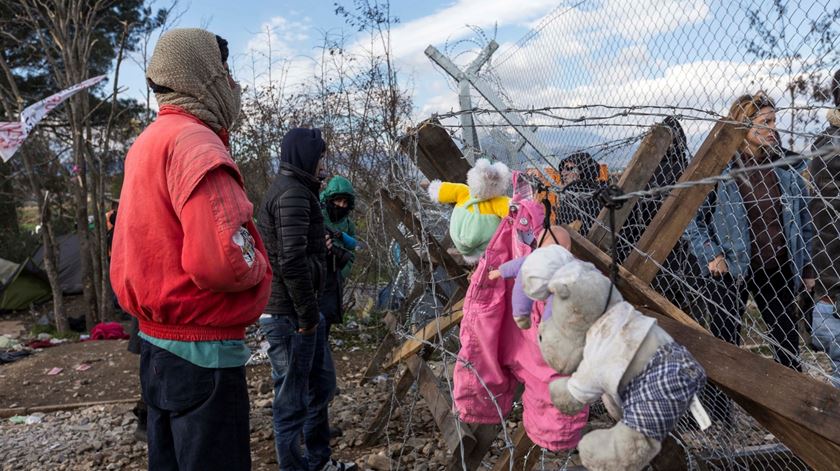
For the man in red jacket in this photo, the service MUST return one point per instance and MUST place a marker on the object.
(188, 262)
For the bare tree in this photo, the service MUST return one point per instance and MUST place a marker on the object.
(62, 43)
(806, 48)
(13, 104)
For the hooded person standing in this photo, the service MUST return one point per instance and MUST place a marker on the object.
(302, 368)
(338, 200)
(188, 262)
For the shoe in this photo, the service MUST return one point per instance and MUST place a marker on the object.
(333, 465)
(336, 432)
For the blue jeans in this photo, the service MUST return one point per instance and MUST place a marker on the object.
(825, 335)
(304, 384)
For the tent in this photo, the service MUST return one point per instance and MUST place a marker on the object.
(27, 283)
(22, 285)
(69, 263)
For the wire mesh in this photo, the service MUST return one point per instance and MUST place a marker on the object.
(592, 77)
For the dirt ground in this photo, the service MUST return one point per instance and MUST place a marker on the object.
(101, 436)
(112, 375)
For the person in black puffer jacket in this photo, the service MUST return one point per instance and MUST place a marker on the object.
(292, 228)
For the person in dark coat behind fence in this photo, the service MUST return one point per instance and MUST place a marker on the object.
(678, 279)
(825, 209)
(579, 176)
(302, 367)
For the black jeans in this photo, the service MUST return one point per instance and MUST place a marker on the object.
(774, 295)
(198, 417)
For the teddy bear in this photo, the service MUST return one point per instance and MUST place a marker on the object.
(480, 206)
(646, 380)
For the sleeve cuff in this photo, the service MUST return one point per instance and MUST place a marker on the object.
(434, 190)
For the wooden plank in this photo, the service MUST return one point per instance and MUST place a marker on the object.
(436, 249)
(522, 458)
(455, 436)
(681, 206)
(438, 157)
(635, 291)
(62, 407)
(784, 399)
(380, 420)
(802, 412)
(393, 231)
(634, 178)
(428, 333)
(485, 435)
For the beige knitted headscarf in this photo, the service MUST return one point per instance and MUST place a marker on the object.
(189, 62)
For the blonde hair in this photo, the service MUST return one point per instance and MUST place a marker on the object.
(747, 107)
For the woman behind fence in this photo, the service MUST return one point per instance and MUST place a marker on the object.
(825, 207)
(752, 237)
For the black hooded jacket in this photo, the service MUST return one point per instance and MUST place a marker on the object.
(577, 202)
(292, 228)
(681, 262)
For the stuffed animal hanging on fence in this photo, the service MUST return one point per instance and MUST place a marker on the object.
(613, 352)
(545, 260)
(480, 206)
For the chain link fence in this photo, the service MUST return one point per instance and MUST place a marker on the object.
(757, 265)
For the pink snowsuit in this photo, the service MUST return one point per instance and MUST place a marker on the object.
(501, 354)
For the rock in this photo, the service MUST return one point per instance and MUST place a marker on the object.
(428, 448)
(263, 403)
(415, 443)
(379, 462)
(265, 387)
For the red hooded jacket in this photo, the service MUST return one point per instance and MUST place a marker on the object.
(182, 261)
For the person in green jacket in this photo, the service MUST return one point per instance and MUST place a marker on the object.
(337, 201)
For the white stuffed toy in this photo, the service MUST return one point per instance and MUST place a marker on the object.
(613, 352)
(480, 206)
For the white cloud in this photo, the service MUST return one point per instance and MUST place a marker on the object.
(576, 45)
(275, 54)
(449, 23)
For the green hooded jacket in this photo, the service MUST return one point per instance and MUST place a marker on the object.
(340, 186)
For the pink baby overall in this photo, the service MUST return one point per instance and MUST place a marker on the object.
(498, 354)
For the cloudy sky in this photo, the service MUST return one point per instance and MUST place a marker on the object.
(621, 53)
(297, 27)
